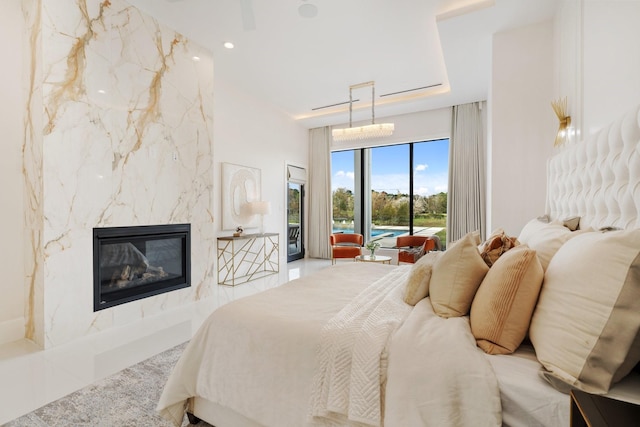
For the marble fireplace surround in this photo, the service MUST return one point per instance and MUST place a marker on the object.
(118, 132)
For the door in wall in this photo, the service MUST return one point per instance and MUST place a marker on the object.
(295, 212)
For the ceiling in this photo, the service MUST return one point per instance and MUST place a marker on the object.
(300, 63)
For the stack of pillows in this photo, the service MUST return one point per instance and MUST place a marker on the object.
(575, 293)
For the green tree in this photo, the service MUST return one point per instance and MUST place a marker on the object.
(343, 204)
(402, 212)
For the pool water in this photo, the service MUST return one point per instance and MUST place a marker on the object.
(375, 232)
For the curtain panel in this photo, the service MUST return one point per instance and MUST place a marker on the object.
(319, 193)
(466, 210)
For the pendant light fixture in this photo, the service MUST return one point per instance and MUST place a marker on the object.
(374, 130)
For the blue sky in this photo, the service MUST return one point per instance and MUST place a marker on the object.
(390, 168)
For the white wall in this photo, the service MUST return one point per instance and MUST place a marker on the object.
(248, 132)
(597, 60)
(611, 55)
(522, 125)
(12, 301)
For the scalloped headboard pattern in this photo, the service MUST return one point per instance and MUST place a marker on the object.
(599, 179)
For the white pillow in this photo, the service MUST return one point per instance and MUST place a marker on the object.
(586, 325)
(545, 238)
(532, 227)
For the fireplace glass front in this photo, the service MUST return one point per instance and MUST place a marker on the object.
(130, 263)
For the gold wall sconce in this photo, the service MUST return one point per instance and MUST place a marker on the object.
(560, 108)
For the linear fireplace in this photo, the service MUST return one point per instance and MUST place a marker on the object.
(131, 263)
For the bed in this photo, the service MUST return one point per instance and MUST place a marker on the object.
(485, 333)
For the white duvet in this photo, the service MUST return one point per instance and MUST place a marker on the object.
(437, 376)
(258, 356)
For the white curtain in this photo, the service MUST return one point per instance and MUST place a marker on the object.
(319, 193)
(467, 172)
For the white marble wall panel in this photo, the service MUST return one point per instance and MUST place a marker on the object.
(32, 174)
(126, 140)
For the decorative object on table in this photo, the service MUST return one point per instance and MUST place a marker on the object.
(372, 246)
(238, 232)
(363, 132)
(560, 108)
(260, 208)
(240, 187)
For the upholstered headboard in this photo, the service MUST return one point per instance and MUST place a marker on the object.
(599, 179)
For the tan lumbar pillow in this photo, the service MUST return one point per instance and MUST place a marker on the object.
(419, 278)
(586, 325)
(502, 308)
(456, 276)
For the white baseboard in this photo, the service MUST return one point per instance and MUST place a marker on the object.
(11, 330)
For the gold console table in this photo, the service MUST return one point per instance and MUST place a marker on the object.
(247, 257)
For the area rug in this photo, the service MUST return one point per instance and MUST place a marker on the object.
(128, 398)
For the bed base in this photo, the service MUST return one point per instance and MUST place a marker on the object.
(193, 419)
(218, 416)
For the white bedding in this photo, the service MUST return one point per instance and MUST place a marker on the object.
(437, 376)
(252, 359)
(527, 399)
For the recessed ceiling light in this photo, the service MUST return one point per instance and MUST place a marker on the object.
(195, 58)
(102, 91)
(228, 45)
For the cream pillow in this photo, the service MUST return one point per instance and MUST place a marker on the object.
(532, 227)
(546, 240)
(456, 276)
(502, 308)
(419, 278)
(586, 325)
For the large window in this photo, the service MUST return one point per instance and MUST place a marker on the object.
(383, 192)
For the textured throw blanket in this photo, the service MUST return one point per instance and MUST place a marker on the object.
(351, 363)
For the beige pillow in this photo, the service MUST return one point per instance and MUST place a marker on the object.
(419, 278)
(456, 276)
(502, 308)
(586, 325)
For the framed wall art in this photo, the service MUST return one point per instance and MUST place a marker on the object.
(240, 186)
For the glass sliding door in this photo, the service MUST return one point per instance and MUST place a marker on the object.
(343, 191)
(430, 182)
(390, 193)
(383, 192)
(296, 178)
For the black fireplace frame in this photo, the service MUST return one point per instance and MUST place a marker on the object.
(124, 234)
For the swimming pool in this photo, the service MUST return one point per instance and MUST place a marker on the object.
(375, 232)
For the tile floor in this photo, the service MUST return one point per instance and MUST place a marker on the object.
(31, 377)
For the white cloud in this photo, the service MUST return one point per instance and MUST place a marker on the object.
(342, 179)
(420, 168)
